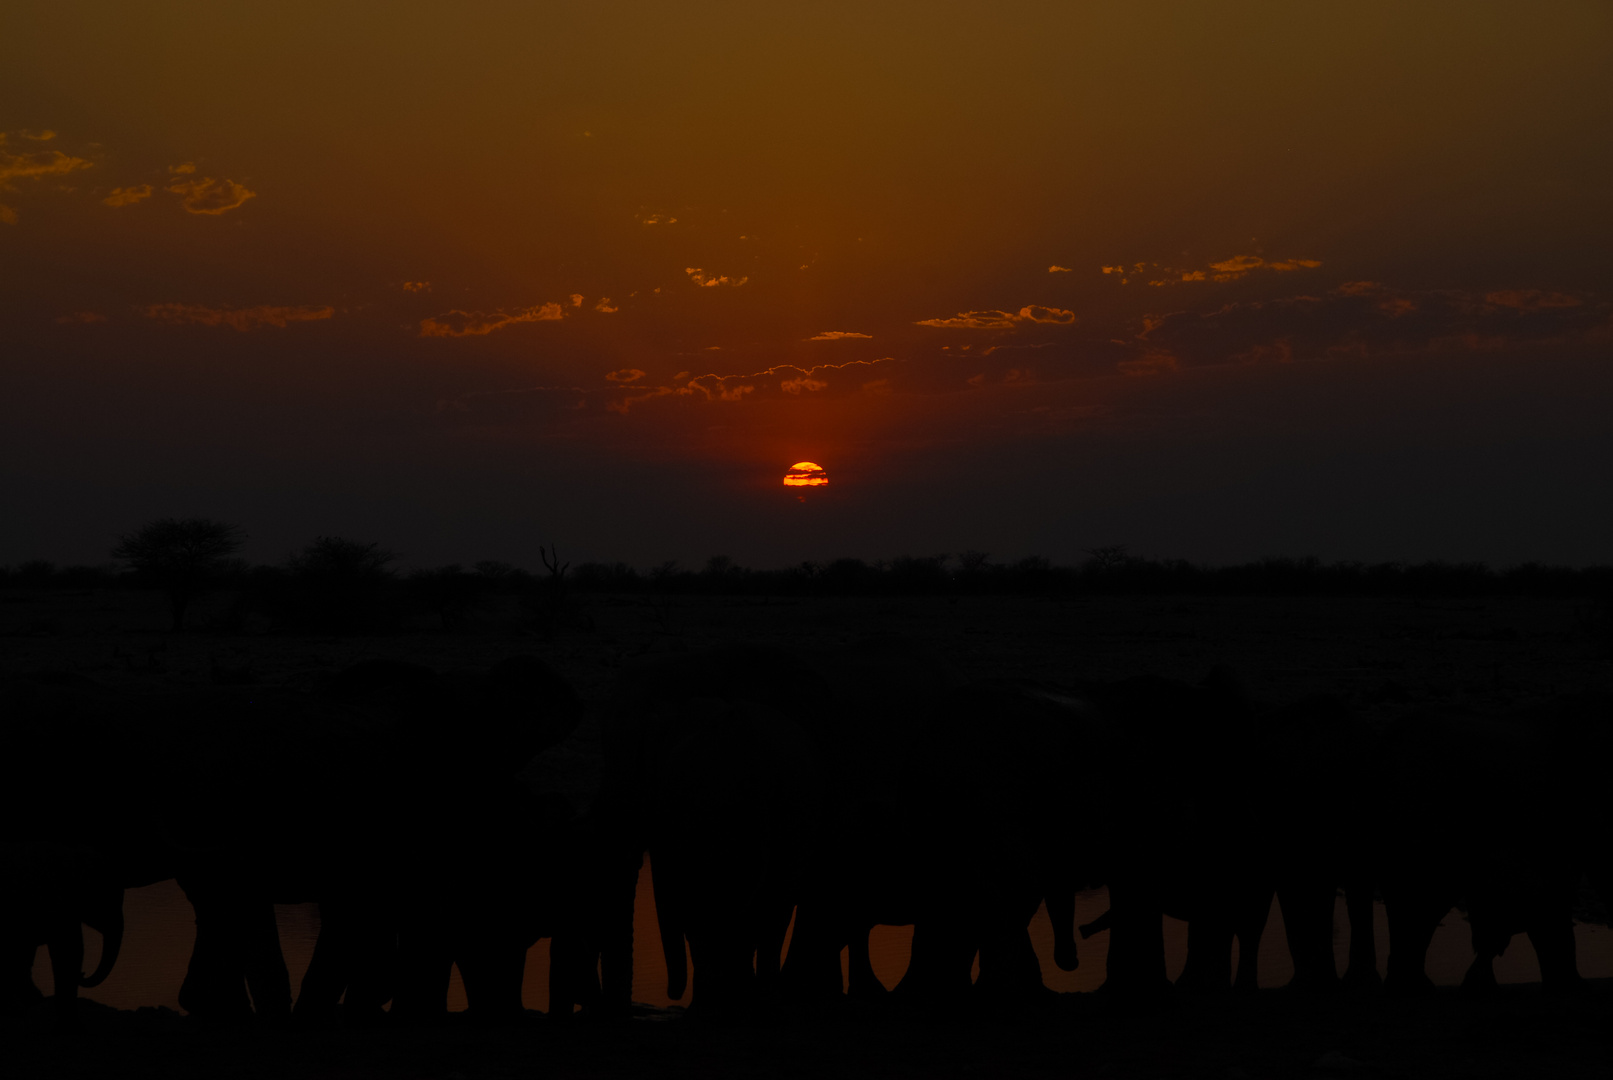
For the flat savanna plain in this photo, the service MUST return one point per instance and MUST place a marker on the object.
(1388, 654)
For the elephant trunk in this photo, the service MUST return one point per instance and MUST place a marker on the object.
(110, 925)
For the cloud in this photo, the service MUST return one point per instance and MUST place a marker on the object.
(32, 165)
(128, 196)
(1530, 300)
(1001, 320)
(82, 317)
(38, 164)
(838, 335)
(605, 306)
(974, 320)
(1059, 270)
(625, 375)
(1037, 314)
(705, 280)
(1238, 264)
(576, 299)
(1361, 319)
(1153, 362)
(458, 323)
(805, 382)
(206, 195)
(658, 219)
(417, 286)
(1231, 269)
(242, 319)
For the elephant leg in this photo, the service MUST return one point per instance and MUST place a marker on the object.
(811, 971)
(861, 982)
(493, 978)
(425, 966)
(66, 944)
(17, 952)
(773, 925)
(1136, 963)
(722, 957)
(1009, 970)
(1553, 939)
(1307, 907)
(619, 882)
(1363, 966)
(1250, 927)
(938, 970)
(214, 988)
(372, 974)
(330, 969)
(265, 965)
(1412, 922)
(1209, 954)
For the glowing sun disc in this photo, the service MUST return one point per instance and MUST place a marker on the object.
(806, 474)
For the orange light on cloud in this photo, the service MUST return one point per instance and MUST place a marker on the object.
(806, 474)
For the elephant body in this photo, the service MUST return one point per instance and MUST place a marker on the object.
(709, 770)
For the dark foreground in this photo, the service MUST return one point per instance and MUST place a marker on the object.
(1513, 1032)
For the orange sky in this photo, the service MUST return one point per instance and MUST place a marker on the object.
(1212, 280)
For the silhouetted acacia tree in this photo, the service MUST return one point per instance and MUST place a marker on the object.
(181, 556)
(340, 585)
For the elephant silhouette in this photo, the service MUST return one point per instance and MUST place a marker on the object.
(48, 893)
(708, 769)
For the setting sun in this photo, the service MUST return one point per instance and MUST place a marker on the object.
(806, 474)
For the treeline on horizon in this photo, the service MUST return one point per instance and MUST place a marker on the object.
(345, 585)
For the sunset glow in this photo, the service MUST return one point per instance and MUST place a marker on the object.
(1209, 280)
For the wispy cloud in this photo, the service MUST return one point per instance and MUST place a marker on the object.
(973, 320)
(417, 286)
(242, 319)
(1059, 270)
(81, 318)
(458, 323)
(128, 196)
(1229, 269)
(838, 335)
(1530, 300)
(32, 165)
(1002, 320)
(576, 299)
(625, 375)
(605, 306)
(205, 195)
(1036, 313)
(1362, 319)
(658, 219)
(700, 277)
(717, 387)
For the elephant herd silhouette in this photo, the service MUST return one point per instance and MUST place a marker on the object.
(867, 788)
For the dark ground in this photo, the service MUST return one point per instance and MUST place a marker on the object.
(1388, 654)
(1515, 1032)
